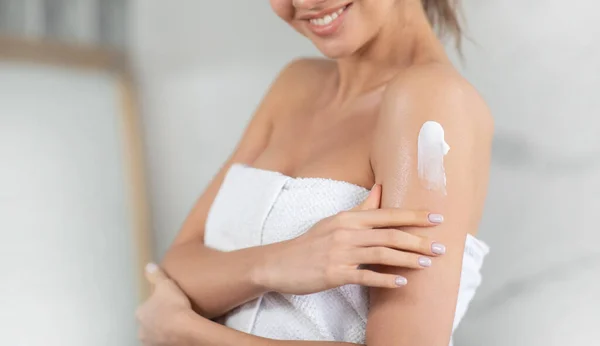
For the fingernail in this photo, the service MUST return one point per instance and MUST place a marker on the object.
(436, 218)
(151, 267)
(401, 281)
(438, 249)
(425, 261)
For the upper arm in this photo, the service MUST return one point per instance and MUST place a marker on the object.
(254, 141)
(422, 313)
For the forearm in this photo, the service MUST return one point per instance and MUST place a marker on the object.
(215, 281)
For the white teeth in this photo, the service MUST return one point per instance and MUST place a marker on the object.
(326, 20)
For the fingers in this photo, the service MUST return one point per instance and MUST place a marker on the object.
(154, 274)
(389, 217)
(397, 239)
(390, 257)
(373, 200)
(368, 278)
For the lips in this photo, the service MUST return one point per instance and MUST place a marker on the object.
(327, 18)
(327, 22)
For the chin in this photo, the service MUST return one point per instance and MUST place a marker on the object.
(336, 50)
(344, 43)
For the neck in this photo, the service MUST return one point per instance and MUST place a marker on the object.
(406, 39)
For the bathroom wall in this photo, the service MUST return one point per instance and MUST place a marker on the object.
(537, 64)
(203, 67)
(67, 251)
(70, 252)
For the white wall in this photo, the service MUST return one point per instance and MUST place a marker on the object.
(538, 65)
(536, 62)
(67, 259)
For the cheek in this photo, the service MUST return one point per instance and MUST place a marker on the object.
(374, 13)
(284, 9)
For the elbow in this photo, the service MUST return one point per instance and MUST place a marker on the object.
(169, 261)
(176, 258)
(176, 264)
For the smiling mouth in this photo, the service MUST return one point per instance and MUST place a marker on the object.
(329, 18)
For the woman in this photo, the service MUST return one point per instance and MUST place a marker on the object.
(279, 258)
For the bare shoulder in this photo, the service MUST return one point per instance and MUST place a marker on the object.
(433, 93)
(293, 84)
(297, 82)
(306, 71)
(436, 92)
(314, 65)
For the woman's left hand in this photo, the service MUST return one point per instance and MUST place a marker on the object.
(164, 316)
(167, 319)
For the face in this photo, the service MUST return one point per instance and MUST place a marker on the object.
(338, 28)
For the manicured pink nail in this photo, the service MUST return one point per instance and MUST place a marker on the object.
(436, 218)
(401, 281)
(438, 249)
(425, 262)
(151, 268)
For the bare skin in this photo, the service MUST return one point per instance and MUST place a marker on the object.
(354, 118)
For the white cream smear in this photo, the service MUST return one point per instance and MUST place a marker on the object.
(431, 151)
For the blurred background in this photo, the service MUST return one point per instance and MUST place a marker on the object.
(114, 115)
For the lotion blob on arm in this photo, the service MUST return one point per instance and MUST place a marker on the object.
(432, 148)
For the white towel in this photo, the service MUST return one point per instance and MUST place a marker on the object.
(259, 207)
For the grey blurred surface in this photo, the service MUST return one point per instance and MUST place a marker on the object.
(11, 14)
(535, 62)
(82, 22)
(538, 65)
